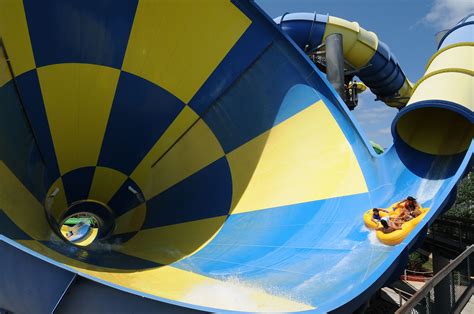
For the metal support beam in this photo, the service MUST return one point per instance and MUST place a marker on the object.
(438, 279)
(27, 283)
(442, 291)
(64, 293)
(335, 63)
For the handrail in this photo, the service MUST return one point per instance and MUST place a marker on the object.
(418, 272)
(402, 291)
(420, 294)
(402, 295)
(454, 220)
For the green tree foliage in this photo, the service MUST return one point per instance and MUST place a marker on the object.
(378, 149)
(416, 261)
(464, 205)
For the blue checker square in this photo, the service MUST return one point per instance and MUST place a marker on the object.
(140, 114)
(84, 31)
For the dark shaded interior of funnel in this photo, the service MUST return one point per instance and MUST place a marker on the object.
(195, 207)
(436, 131)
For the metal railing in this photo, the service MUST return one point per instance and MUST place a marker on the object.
(427, 274)
(458, 271)
(452, 230)
(403, 296)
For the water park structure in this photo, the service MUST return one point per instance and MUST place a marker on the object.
(220, 173)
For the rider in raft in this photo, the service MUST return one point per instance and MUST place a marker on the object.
(376, 214)
(409, 208)
(390, 224)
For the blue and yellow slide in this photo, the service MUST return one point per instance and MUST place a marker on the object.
(227, 173)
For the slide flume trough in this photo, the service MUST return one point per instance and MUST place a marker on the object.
(222, 169)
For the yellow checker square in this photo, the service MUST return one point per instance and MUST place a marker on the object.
(105, 184)
(303, 159)
(15, 36)
(78, 99)
(142, 174)
(174, 242)
(131, 221)
(178, 44)
(177, 284)
(56, 201)
(197, 149)
(21, 206)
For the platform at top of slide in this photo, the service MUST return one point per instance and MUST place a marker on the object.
(227, 173)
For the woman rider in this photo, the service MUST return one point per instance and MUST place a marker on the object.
(409, 208)
(390, 224)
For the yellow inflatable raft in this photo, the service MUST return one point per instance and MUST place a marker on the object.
(368, 216)
(397, 236)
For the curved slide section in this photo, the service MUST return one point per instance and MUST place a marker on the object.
(438, 119)
(369, 57)
(226, 178)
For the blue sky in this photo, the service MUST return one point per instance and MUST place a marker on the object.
(406, 26)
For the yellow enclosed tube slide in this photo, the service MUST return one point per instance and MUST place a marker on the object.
(438, 117)
(369, 58)
(360, 46)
